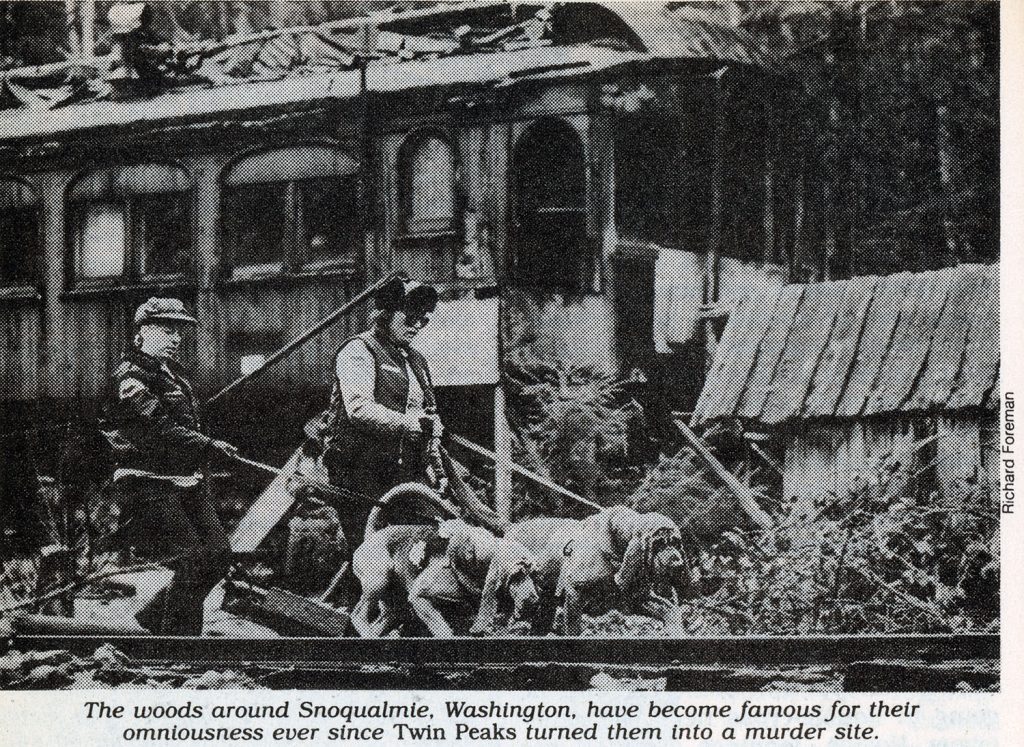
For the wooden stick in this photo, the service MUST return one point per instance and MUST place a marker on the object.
(533, 476)
(743, 494)
(766, 457)
(305, 337)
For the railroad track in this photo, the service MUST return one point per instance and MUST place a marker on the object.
(865, 662)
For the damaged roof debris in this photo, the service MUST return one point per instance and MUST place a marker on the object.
(469, 42)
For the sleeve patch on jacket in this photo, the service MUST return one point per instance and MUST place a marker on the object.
(130, 387)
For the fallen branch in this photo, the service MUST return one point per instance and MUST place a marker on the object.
(910, 599)
(743, 494)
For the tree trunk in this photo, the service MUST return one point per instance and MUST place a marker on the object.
(771, 153)
(796, 250)
(949, 167)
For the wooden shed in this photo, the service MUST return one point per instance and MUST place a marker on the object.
(847, 374)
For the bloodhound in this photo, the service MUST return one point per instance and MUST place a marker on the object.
(420, 569)
(615, 559)
(546, 539)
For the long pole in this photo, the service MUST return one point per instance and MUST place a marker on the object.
(88, 30)
(500, 462)
(320, 326)
(743, 494)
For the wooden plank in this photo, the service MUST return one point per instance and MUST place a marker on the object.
(744, 495)
(912, 340)
(981, 361)
(810, 466)
(721, 375)
(768, 353)
(841, 352)
(812, 327)
(734, 358)
(957, 459)
(991, 464)
(946, 356)
(878, 328)
(264, 514)
(851, 459)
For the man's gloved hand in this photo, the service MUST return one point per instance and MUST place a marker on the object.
(224, 449)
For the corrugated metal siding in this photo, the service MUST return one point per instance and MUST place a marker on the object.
(865, 346)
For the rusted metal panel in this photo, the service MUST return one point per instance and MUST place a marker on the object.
(883, 317)
(734, 359)
(981, 357)
(946, 356)
(905, 342)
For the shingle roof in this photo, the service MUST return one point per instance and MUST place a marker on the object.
(910, 342)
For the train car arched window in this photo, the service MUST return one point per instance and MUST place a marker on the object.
(292, 209)
(550, 243)
(19, 233)
(129, 223)
(427, 247)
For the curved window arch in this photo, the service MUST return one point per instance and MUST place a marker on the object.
(428, 207)
(291, 208)
(129, 223)
(428, 185)
(19, 233)
(550, 243)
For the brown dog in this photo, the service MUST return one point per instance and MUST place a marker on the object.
(418, 568)
(614, 559)
(546, 539)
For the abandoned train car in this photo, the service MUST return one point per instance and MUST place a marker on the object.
(574, 156)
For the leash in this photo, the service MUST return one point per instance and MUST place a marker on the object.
(328, 488)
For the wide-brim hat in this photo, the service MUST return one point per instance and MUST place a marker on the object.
(163, 310)
(410, 296)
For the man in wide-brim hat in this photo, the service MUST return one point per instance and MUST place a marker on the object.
(151, 419)
(382, 400)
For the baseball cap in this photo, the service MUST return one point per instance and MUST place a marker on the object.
(163, 309)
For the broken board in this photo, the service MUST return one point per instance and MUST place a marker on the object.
(264, 514)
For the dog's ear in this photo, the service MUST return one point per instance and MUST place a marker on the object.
(634, 562)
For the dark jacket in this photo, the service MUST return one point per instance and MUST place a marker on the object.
(360, 448)
(151, 418)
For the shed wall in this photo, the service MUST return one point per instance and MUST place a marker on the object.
(954, 456)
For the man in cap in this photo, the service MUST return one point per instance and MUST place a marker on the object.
(151, 419)
(382, 400)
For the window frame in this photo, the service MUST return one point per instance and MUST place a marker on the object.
(587, 278)
(295, 258)
(26, 288)
(133, 251)
(441, 246)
